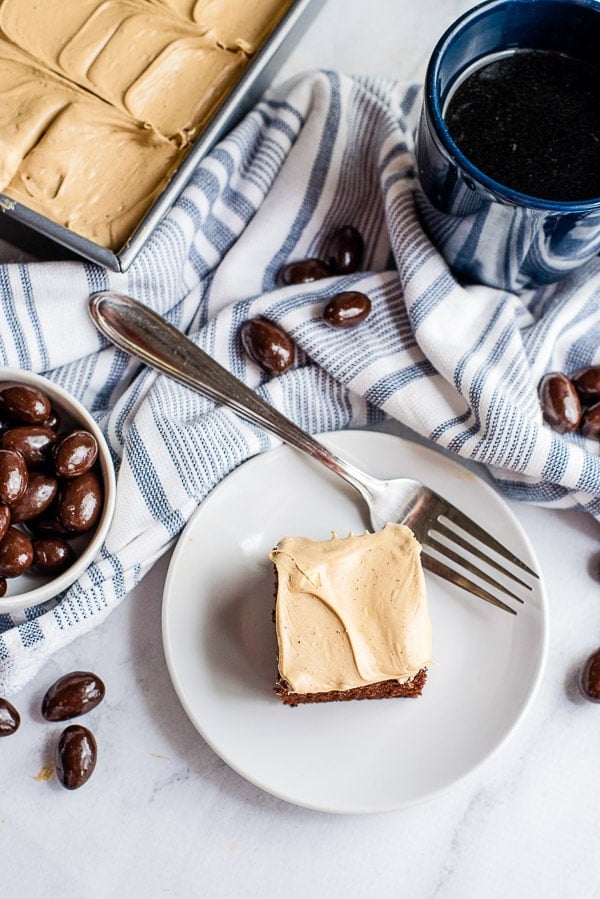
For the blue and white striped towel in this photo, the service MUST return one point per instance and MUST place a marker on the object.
(458, 365)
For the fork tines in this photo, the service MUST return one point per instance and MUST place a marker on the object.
(431, 563)
(471, 527)
(452, 545)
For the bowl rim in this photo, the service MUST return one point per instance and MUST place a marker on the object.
(51, 588)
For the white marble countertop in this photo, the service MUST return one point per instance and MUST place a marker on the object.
(164, 816)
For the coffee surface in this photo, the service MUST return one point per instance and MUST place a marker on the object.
(531, 121)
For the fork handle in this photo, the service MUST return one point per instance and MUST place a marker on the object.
(143, 333)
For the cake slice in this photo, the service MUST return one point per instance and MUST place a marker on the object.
(351, 617)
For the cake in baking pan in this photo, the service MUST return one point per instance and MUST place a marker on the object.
(103, 99)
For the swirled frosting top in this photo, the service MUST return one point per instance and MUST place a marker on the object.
(103, 98)
(351, 611)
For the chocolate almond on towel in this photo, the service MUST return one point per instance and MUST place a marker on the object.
(346, 250)
(561, 406)
(267, 345)
(304, 271)
(347, 309)
(587, 383)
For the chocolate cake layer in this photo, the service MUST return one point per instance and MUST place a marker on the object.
(384, 690)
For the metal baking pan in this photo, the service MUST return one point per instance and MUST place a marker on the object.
(38, 235)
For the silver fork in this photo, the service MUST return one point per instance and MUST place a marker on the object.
(149, 337)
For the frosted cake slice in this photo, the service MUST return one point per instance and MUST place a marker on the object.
(351, 617)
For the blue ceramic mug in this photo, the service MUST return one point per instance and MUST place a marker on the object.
(487, 232)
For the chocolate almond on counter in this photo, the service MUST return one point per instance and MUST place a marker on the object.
(76, 756)
(72, 695)
(9, 718)
(589, 681)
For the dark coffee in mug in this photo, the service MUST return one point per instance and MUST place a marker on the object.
(508, 144)
(530, 119)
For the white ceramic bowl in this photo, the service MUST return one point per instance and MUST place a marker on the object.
(31, 589)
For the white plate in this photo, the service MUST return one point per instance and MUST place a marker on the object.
(363, 756)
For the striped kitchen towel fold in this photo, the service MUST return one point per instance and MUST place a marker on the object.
(459, 365)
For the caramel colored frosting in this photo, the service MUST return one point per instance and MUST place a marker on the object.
(102, 98)
(237, 24)
(351, 611)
